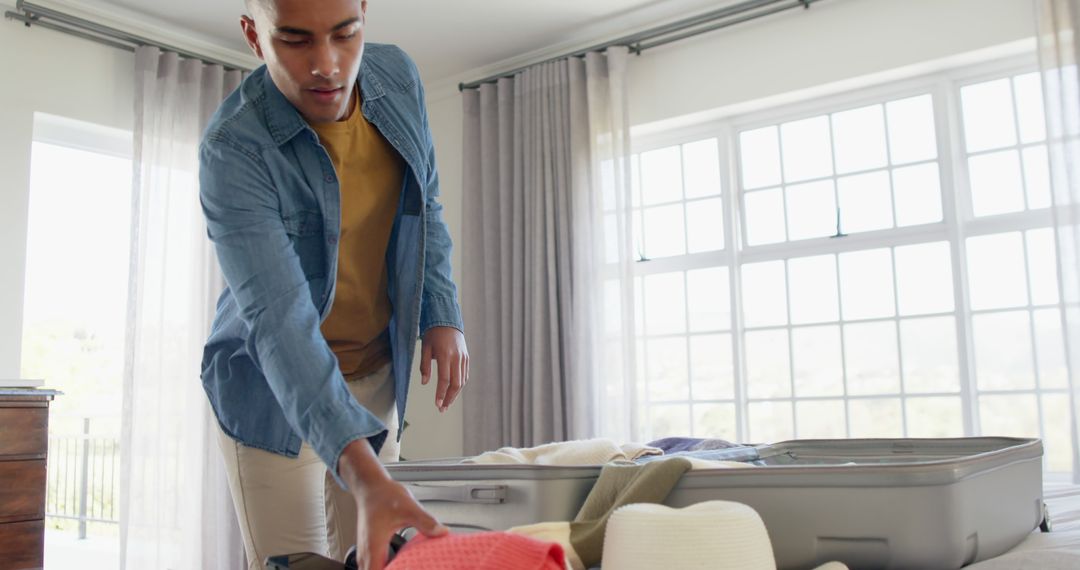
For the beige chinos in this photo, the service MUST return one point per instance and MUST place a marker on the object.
(293, 504)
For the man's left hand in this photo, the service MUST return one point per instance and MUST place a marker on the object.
(446, 345)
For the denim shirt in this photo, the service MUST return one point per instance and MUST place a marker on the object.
(272, 204)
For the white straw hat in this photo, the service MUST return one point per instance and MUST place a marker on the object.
(716, 535)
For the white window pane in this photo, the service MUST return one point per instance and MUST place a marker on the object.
(1029, 107)
(715, 421)
(764, 300)
(661, 176)
(710, 300)
(770, 422)
(611, 239)
(668, 371)
(1037, 177)
(701, 168)
(641, 373)
(876, 418)
(665, 304)
(664, 231)
(996, 185)
(1003, 351)
(1042, 266)
(859, 136)
(911, 129)
(866, 284)
(705, 231)
(818, 362)
(635, 180)
(1014, 415)
(712, 371)
(988, 115)
(638, 233)
(1050, 349)
(870, 356)
(767, 365)
(807, 149)
(760, 153)
(924, 278)
(612, 308)
(612, 386)
(764, 216)
(607, 183)
(865, 202)
(996, 273)
(811, 210)
(917, 193)
(669, 420)
(1057, 433)
(639, 310)
(814, 297)
(821, 419)
(930, 356)
(935, 417)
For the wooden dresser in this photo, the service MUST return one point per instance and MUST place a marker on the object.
(24, 443)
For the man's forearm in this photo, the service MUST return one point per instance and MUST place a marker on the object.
(358, 465)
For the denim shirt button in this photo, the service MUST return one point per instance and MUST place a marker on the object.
(331, 239)
(329, 178)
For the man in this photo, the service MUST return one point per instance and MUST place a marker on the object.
(319, 185)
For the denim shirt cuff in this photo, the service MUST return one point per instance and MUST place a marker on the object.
(342, 422)
(440, 312)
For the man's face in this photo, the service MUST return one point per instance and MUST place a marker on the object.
(312, 51)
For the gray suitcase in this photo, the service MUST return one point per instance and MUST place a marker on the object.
(870, 503)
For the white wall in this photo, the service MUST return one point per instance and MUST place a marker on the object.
(430, 433)
(45, 71)
(834, 41)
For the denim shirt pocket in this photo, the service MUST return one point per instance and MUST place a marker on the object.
(305, 230)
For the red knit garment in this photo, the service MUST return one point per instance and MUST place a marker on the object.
(479, 551)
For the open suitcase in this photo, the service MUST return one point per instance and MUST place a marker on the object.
(870, 503)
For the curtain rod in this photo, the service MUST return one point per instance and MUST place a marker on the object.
(675, 31)
(32, 15)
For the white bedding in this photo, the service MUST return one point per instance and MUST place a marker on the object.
(1056, 550)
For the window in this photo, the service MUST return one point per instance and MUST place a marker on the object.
(857, 170)
(74, 327)
(873, 286)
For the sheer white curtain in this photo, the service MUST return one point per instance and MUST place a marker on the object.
(611, 329)
(1059, 54)
(175, 507)
(546, 165)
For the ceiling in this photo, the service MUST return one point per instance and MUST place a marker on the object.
(450, 38)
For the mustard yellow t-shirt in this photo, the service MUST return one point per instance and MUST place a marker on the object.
(369, 174)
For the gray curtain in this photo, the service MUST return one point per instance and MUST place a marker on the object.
(535, 150)
(175, 506)
(1059, 56)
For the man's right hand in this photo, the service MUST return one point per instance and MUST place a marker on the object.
(383, 505)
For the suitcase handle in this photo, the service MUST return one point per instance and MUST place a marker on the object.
(482, 494)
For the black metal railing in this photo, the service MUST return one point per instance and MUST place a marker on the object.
(84, 478)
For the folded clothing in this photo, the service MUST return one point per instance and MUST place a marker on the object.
(742, 454)
(580, 452)
(678, 444)
(479, 551)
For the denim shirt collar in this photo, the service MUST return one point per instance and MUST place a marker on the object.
(282, 118)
